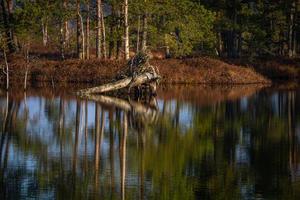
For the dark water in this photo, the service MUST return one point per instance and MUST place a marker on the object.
(188, 143)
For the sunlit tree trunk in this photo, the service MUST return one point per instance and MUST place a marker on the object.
(87, 32)
(45, 31)
(145, 27)
(126, 33)
(98, 25)
(103, 44)
(66, 24)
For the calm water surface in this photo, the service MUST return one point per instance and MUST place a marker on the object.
(188, 143)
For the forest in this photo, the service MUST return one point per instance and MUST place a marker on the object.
(240, 30)
(230, 28)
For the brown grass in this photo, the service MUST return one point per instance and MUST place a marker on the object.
(206, 70)
(191, 70)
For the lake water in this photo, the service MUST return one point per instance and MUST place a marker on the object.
(195, 142)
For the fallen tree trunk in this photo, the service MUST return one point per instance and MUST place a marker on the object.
(128, 82)
(138, 73)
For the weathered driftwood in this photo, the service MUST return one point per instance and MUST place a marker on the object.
(138, 72)
(129, 82)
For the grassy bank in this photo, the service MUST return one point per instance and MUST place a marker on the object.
(279, 68)
(276, 69)
(191, 70)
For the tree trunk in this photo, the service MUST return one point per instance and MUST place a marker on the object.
(291, 30)
(144, 35)
(219, 44)
(219, 38)
(167, 53)
(123, 83)
(111, 32)
(138, 35)
(119, 40)
(98, 36)
(80, 39)
(87, 37)
(296, 27)
(107, 87)
(45, 32)
(62, 42)
(126, 33)
(103, 35)
(26, 67)
(6, 71)
(66, 35)
(83, 38)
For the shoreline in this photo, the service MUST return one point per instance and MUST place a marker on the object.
(201, 70)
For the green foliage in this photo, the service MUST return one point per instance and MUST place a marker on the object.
(181, 25)
(234, 28)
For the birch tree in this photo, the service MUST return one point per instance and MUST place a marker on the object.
(145, 27)
(98, 27)
(87, 31)
(126, 32)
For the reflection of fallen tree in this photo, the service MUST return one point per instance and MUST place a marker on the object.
(148, 113)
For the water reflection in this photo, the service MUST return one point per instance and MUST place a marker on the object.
(172, 147)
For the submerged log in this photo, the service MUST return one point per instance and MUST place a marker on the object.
(138, 72)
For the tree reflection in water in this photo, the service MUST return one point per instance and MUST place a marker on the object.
(61, 147)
